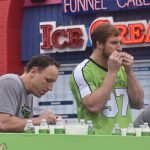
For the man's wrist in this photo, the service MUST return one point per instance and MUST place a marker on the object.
(130, 73)
(111, 73)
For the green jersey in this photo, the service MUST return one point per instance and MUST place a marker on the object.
(86, 78)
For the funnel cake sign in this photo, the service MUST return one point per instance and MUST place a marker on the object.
(63, 38)
(91, 6)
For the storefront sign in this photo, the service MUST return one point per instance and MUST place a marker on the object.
(80, 6)
(75, 38)
(91, 6)
(133, 33)
(62, 39)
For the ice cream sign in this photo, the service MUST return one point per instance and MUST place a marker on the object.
(75, 37)
(63, 38)
(133, 33)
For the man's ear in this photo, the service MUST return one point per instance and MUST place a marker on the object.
(99, 45)
(33, 71)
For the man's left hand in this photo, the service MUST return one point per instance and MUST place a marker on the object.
(127, 61)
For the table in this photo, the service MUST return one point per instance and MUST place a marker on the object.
(72, 142)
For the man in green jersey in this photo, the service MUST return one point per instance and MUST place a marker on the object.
(105, 86)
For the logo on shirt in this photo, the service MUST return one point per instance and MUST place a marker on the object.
(26, 111)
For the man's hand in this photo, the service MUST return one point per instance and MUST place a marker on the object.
(49, 116)
(114, 62)
(127, 61)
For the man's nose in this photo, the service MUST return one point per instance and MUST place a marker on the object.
(50, 87)
(119, 48)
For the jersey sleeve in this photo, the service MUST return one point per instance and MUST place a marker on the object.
(9, 96)
(83, 79)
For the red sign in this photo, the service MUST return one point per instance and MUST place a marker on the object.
(133, 33)
(74, 38)
(61, 39)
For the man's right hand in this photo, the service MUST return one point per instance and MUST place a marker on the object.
(114, 62)
(49, 116)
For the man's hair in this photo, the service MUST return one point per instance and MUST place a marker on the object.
(41, 62)
(103, 32)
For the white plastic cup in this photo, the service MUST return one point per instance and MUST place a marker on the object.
(36, 129)
(123, 131)
(138, 131)
(51, 129)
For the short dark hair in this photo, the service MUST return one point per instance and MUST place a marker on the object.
(103, 32)
(41, 62)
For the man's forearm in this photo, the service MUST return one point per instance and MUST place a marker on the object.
(97, 100)
(135, 91)
(12, 124)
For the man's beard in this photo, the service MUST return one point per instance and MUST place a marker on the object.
(105, 55)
